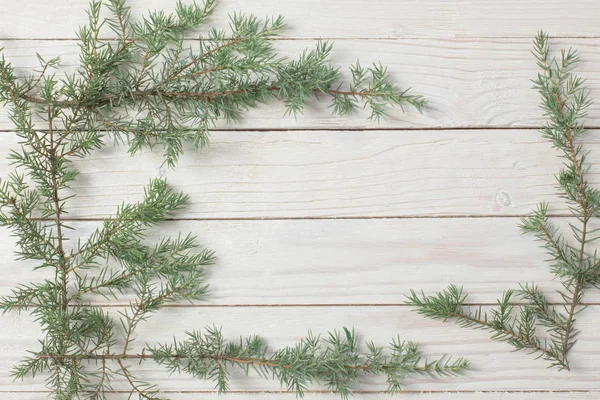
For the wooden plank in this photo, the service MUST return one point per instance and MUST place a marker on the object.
(407, 395)
(337, 174)
(468, 83)
(343, 262)
(342, 18)
(495, 367)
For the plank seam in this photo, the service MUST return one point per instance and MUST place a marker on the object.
(373, 129)
(319, 218)
(298, 38)
(316, 305)
(408, 391)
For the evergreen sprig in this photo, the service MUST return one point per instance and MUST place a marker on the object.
(148, 88)
(145, 88)
(336, 360)
(573, 261)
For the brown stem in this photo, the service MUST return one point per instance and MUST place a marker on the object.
(132, 322)
(543, 310)
(99, 387)
(57, 214)
(122, 128)
(121, 277)
(583, 201)
(29, 222)
(130, 380)
(198, 73)
(173, 75)
(63, 265)
(509, 332)
(143, 68)
(37, 81)
(185, 95)
(238, 360)
(571, 317)
(95, 247)
(555, 245)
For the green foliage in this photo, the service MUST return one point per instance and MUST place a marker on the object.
(336, 361)
(144, 89)
(150, 88)
(573, 262)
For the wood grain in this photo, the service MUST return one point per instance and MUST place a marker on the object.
(323, 222)
(337, 174)
(344, 262)
(195, 395)
(342, 18)
(468, 83)
(493, 363)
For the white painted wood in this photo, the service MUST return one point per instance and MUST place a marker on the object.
(468, 83)
(342, 18)
(471, 60)
(337, 174)
(495, 367)
(345, 262)
(407, 395)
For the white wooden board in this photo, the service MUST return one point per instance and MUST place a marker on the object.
(337, 174)
(342, 18)
(322, 222)
(360, 262)
(407, 395)
(468, 83)
(493, 363)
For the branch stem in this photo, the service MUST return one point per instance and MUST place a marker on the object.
(583, 202)
(264, 362)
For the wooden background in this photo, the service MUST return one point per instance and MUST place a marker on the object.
(323, 222)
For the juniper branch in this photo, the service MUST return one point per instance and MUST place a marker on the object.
(336, 360)
(518, 330)
(175, 94)
(564, 101)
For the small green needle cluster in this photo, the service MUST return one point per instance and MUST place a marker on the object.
(537, 326)
(147, 88)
